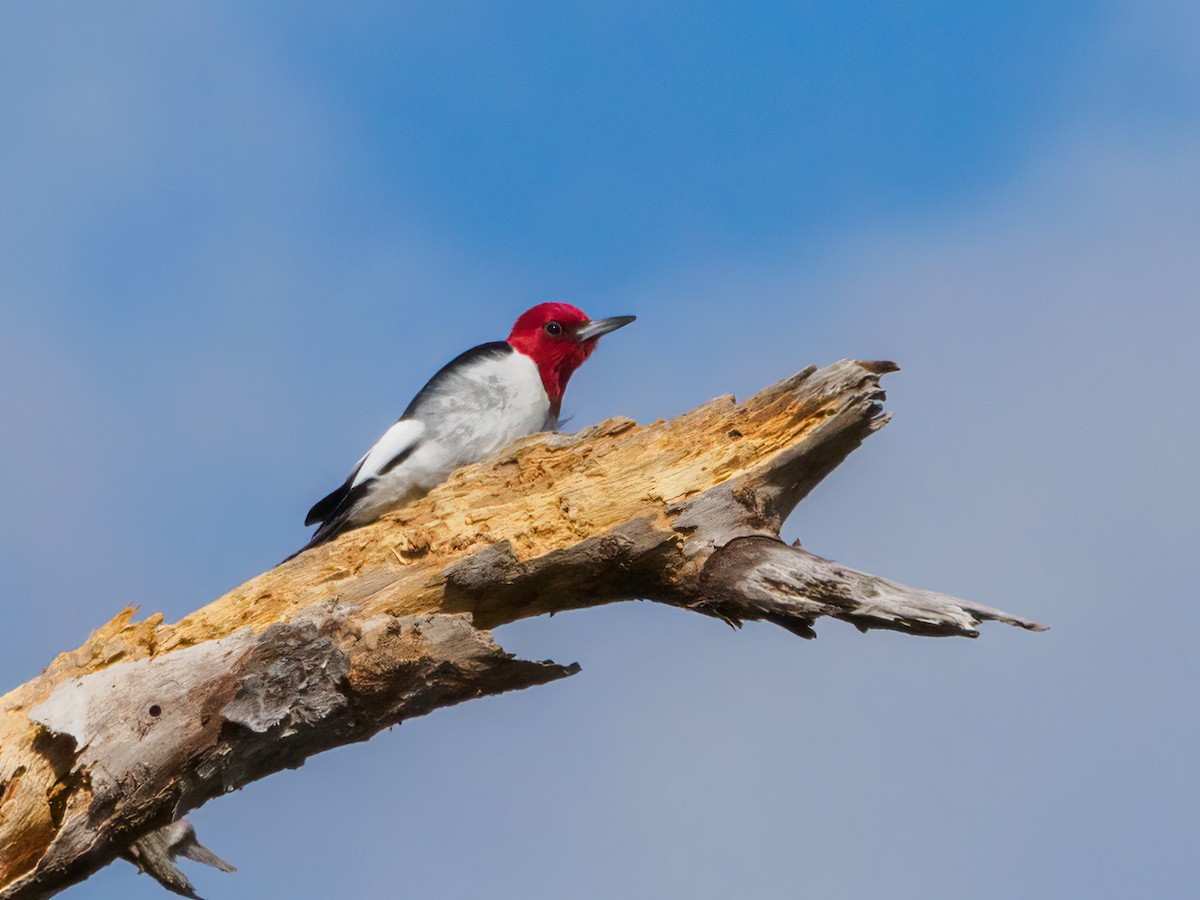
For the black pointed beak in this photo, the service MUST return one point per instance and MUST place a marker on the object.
(591, 330)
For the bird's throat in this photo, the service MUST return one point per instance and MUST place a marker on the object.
(556, 364)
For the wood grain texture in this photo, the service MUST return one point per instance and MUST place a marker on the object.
(116, 741)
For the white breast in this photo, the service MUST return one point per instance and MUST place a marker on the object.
(493, 402)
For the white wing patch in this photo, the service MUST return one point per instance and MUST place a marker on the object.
(400, 437)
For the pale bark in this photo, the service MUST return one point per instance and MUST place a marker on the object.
(103, 754)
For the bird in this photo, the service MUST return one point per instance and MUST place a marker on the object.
(472, 407)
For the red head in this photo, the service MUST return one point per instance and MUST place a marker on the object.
(559, 337)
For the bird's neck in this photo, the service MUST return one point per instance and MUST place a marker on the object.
(555, 364)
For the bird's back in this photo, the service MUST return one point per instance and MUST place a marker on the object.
(482, 400)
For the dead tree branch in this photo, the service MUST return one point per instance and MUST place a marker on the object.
(103, 754)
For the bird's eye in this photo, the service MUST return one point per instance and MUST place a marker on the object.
(553, 329)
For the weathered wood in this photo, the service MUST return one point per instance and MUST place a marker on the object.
(151, 738)
(756, 577)
(103, 754)
(156, 852)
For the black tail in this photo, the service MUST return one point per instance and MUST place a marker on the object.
(330, 529)
(333, 512)
(336, 500)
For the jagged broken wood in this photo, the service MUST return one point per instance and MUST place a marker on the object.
(104, 752)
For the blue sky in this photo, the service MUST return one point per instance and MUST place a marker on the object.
(234, 241)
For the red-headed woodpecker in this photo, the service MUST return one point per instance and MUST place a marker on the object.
(477, 403)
